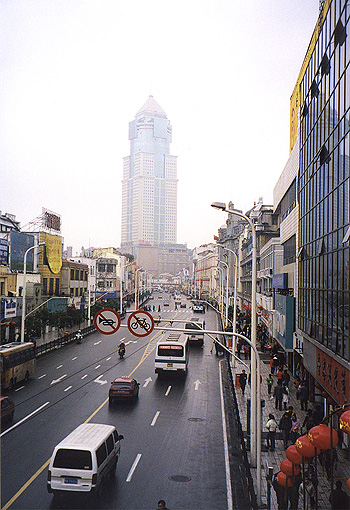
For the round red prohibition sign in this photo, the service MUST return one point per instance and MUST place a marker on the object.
(107, 321)
(140, 323)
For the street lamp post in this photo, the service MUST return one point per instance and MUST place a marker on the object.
(136, 285)
(25, 288)
(227, 282)
(234, 301)
(254, 404)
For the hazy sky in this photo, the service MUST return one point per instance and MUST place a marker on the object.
(75, 72)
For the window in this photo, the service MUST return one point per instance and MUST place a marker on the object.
(110, 444)
(73, 459)
(101, 454)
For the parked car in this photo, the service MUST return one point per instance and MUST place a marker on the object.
(199, 308)
(166, 303)
(7, 408)
(183, 305)
(124, 388)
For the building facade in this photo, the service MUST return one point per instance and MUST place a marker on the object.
(323, 195)
(149, 186)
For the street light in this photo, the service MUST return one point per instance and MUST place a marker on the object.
(255, 406)
(136, 285)
(227, 282)
(234, 300)
(25, 288)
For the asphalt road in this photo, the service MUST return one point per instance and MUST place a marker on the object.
(174, 440)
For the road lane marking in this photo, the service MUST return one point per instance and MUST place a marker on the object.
(59, 366)
(75, 357)
(133, 467)
(96, 343)
(24, 419)
(84, 376)
(168, 391)
(44, 375)
(98, 366)
(107, 359)
(20, 388)
(59, 379)
(196, 384)
(147, 381)
(155, 418)
(68, 388)
(224, 430)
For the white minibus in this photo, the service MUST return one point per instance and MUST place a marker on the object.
(82, 461)
(196, 324)
(172, 354)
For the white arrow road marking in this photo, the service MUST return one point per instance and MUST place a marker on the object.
(96, 343)
(155, 418)
(133, 467)
(98, 380)
(147, 381)
(24, 419)
(131, 342)
(168, 391)
(196, 384)
(58, 380)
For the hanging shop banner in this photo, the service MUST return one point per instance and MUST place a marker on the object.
(3, 252)
(333, 376)
(54, 252)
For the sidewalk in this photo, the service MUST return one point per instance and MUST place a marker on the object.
(273, 459)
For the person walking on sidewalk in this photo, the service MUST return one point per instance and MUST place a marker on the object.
(243, 380)
(286, 378)
(271, 427)
(278, 394)
(285, 425)
(294, 430)
(269, 382)
(303, 395)
(272, 365)
(285, 398)
(338, 499)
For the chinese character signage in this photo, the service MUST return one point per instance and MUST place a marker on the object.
(333, 376)
(3, 252)
(54, 252)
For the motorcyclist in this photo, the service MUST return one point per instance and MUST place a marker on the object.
(79, 337)
(121, 349)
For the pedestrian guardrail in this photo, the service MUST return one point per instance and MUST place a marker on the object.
(62, 340)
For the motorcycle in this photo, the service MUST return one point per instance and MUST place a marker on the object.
(78, 337)
(121, 352)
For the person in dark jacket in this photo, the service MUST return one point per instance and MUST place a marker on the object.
(303, 395)
(285, 425)
(338, 499)
(243, 380)
(278, 393)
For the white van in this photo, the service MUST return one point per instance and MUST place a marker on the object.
(196, 324)
(81, 462)
(172, 354)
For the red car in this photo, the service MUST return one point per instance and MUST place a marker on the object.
(7, 408)
(124, 388)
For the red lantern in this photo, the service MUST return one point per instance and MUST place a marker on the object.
(293, 455)
(320, 436)
(348, 483)
(283, 480)
(289, 468)
(345, 422)
(305, 448)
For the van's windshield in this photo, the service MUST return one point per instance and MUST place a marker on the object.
(73, 459)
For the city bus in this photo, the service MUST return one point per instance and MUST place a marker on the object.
(172, 354)
(17, 363)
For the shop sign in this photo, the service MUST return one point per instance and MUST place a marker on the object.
(333, 377)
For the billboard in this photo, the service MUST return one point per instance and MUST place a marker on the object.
(54, 252)
(3, 252)
(20, 242)
(51, 221)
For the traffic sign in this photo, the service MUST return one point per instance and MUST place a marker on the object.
(140, 323)
(107, 321)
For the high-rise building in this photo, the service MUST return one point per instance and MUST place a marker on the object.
(149, 186)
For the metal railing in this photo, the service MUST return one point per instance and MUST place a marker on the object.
(62, 340)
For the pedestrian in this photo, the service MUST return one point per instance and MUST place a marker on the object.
(269, 381)
(272, 365)
(285, 425)
(271, 427)
(303, 395)
(239, 347)
(296, 384)
(286, 378)
(281, 494)
(162, 505)
(338, 498)
(285, 398)
(329, 460)
(294, 430)
(317, 415)
(279, 375)
(243, 380)
(308, 422)
(278, 394)
(309, 490)
(246, 350)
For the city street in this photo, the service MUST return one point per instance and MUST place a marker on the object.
(173, 445)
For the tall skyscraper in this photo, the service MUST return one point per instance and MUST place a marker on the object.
(149, 186)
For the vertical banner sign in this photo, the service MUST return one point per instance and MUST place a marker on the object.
(54, 252)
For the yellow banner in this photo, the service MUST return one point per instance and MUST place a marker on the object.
(54, 252)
